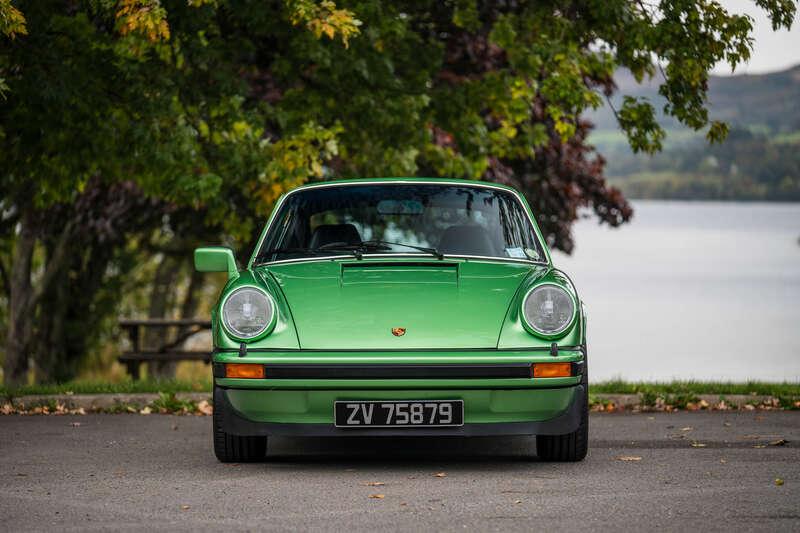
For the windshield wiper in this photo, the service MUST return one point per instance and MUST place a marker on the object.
(260, 258)
(355, 249)
(385, 244)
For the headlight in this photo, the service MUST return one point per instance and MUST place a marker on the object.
(248, 312)
(548, 309)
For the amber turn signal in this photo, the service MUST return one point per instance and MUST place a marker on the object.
(244, 370)
(552, 370)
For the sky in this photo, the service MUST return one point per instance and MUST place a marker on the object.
(772, 51)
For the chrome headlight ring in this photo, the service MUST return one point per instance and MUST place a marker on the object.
(248, 313)
(548, 310)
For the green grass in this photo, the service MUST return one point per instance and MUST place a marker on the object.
(101, 387)
(605, 387)
(696, 387)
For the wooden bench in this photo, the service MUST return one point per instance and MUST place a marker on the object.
(170, 351)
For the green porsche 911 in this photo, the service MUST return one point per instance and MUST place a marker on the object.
(406, 306)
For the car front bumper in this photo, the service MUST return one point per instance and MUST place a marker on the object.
(292, 406)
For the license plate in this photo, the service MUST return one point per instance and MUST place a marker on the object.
(382, 414)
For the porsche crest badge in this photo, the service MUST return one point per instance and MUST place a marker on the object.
(398, 332)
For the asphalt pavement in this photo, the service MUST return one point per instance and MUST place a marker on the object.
(715, 471)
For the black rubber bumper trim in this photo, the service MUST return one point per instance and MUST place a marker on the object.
(567, 422)
(396, 371)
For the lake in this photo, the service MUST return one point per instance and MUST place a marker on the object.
(692, 290)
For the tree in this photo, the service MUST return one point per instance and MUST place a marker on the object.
(211, 109)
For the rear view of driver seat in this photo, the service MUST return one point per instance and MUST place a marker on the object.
(326, 234)
(467, 239)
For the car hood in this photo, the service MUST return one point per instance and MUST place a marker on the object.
(365, 304)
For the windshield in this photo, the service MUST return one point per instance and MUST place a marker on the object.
(392, 218)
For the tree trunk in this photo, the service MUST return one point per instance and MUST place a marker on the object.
(49, 350)
(20, 311)
(189, 305)
(161, 300)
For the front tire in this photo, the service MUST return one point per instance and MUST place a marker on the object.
(571, 447)
(234, 448)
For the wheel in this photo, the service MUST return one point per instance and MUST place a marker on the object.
(234, 448)
(572, 446)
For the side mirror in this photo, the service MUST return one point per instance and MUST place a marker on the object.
(215, 259)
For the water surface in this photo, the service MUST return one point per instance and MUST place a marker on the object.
(698, 290)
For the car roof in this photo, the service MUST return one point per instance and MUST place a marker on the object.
(443, 181)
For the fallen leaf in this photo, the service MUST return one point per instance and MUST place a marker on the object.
(403, 504)
(629, 458)
(517, 501)
(778, 481)
(759, 445)
(749, 407)
(779, 442)
(174, 427)
(723, 461)
(377, 496)
(703, 404)
(205, 408)
(374, 483)
(698, 445)
(687, 428)
(185, 507)
(440, 474)
(145, 411)
(726, 424)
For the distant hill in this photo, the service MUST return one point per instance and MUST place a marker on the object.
(764, 102)
(760, 160)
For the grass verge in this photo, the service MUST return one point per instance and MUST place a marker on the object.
(674, 388)
(761, 388)
(167, 386)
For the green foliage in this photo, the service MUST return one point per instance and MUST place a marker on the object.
(12, 22)
(324, 18)
(167, 402)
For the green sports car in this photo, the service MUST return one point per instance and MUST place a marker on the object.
(389, 307)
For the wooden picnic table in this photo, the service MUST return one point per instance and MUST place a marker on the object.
(168, 352)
